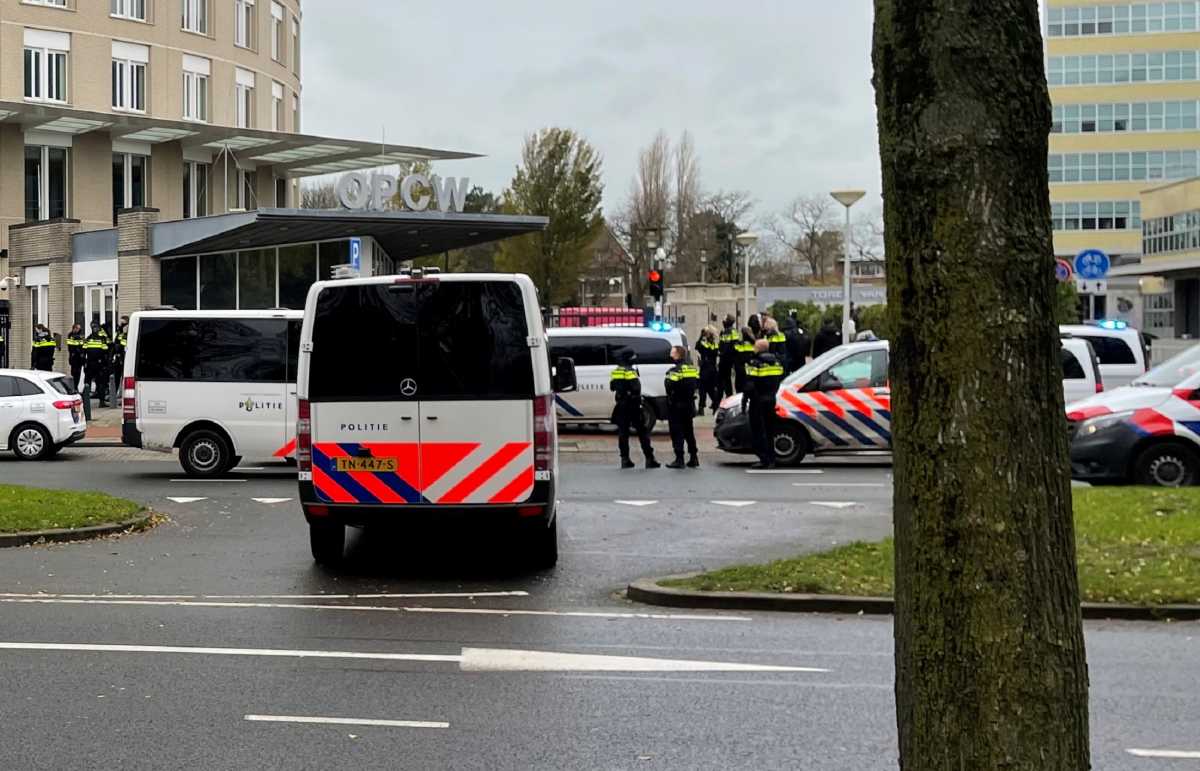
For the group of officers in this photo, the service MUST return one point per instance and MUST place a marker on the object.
(97, 355)
(753, 362)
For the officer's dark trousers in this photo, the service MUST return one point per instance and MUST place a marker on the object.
(725, 379)
(762, 430)
(633, 423)
(682, 432)
(76, 369)
(739, 380)
(98, 381)
(709, 389)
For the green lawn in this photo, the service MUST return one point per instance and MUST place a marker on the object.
(23, 509)
(1135, 544)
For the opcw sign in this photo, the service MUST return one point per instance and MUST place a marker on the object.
(362, 191)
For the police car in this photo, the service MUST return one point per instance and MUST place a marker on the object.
(40, 413)
(427, 399)
(1145, 433)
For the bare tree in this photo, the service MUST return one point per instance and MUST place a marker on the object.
(684, 253)
(809, 229)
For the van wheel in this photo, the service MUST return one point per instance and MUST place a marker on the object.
(541, 553)
(1169, 464)
(791, 445)
(328, 542)
(31, 442)
(205, 454)
(649, 418)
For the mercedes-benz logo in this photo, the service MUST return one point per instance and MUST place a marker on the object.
(408, 387)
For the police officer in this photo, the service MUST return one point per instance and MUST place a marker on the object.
(728, 357)
(42, 356)
(96, 361)
(743, 352)
(75, 352)
(798, 343)
(626, 386)
(681, 383)
(777, 340)
(764, 374)
(708, 349)
(119, 343)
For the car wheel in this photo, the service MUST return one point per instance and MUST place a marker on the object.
(541, 553)
(649, 418)
(1169, 464)
(205, 453)
(328, 542)
(31, 442)
(791, 445)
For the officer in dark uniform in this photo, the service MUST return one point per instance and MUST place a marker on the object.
(798, 343)
(728, 358)
(75, 352)
(777, 341)
(97, 358)
(743, 352)
(681, 383)
(626, 386)
(764, 374)
(708, 349)
(42, 356)
(119, 343)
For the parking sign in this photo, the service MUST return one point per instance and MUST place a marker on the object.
(356, 253)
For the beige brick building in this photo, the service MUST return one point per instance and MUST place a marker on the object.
(151, 112)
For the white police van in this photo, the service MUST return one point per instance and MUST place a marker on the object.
(219, 386)
(428, 399)
(596, 352)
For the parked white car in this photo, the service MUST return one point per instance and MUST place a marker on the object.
(1119, 347)
(1081, 370)
(40, 413)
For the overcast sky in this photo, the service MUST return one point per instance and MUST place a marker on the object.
(777, 93)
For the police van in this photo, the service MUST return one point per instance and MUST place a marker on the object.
(426, 399)
(596, 352)
(218, 386)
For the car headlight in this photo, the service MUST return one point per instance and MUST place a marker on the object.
(1102, 422)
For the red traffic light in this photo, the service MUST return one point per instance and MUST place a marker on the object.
(655, 276)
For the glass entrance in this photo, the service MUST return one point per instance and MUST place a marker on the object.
(100, 307)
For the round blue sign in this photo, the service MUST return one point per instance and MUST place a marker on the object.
(1092, 264)
(1062, 271)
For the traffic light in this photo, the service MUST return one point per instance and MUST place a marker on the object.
(655, 278)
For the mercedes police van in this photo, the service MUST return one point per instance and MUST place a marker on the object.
(218, 386)
(427, 399)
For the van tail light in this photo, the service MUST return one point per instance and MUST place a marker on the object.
(543, 434)
(68, 404)
(129, 399)
(1099, 386)
(304, 436)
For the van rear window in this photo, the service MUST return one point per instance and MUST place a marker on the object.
(213, 350)
(432, 341)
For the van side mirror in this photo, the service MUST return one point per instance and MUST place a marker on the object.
(564, 376)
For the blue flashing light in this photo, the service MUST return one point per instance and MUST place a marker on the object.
(1112, 324)
(660, 326)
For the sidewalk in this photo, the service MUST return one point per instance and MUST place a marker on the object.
(104, 428)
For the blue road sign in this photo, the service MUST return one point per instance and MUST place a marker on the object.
(356, 253)
(1092, 264)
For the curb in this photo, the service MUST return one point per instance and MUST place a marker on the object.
(10, 540)
(647, 590)
(99, 443)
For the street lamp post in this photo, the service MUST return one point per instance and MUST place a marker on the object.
(703, 266)
(846, 198)
(746, 240)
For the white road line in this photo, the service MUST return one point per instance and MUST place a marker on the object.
(201, 651)
(417, 596)
(727, 681)
(833, 504)
(250, 468)
(785, 471)
(215, 481)
(186, 500)
(735, 504)
(362, 608)
(345, 721)
(1175, 754)
(838, 484)
(438, 595)
(636, 503)
(270, 500)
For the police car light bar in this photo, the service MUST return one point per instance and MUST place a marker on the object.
(1112, 324)
(660, 326)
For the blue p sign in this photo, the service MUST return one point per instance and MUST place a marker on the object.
(356, 253)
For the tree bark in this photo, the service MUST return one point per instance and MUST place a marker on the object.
(990, 665)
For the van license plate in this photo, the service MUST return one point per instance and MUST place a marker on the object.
(377, 465)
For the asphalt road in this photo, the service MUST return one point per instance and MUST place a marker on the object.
(204, 642)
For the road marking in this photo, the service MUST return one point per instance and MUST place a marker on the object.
(1176, 754)
(216, 481)
(834, 504)
(785, 471)
(728, 681)
(345, 721)
(361, 608)
(429, 595)
(186, 500)
(250, 468)
(838, 484)
(470, 660)
(735, 504)
(271, 500)
(636, 503)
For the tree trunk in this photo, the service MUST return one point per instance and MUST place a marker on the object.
(990, 666)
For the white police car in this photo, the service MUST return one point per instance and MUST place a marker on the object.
(40, 413)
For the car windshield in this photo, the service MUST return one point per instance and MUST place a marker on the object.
(64, 385)
(816, 366)
(1172, 371)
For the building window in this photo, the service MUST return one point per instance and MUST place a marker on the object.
(1136, 18)
(1123, 166)
(1176, 233)
(247, 189)
(131, 175)
(45, 183)
(1104, 69)
(51, 3)
(296, 114)
(1158, 315)
(281, 186)
(195, 189)
(243, 28)
(179, 283)
(295, 45)
(244, 92)
(276, 107)
(129, 77)
(46, 65)
(195, 16)
(196, 73)
(277, 19)
(128, 9)
(1096, 215)
(1126, 117)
